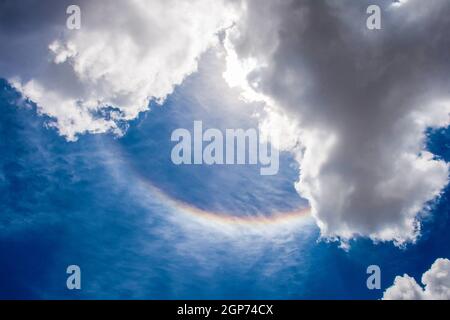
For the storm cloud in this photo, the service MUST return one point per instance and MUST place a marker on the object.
(361, 100)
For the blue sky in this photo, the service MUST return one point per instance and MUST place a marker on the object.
(87, 179)
(63, 204)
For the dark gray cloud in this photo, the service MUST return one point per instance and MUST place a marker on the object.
(26, 29)
(362, 98)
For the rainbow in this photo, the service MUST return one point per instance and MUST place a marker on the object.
(300, 215)
(275, 218)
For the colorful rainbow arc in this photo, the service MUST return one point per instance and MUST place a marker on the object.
(223, 218)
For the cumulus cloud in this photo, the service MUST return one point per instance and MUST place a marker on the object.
(126, 53)
(360, 100)
(436, 283)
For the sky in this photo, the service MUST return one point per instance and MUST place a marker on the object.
(87, 179)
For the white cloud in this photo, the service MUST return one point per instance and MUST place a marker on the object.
(436, 283)
(399, 3)
(360, 101)
(124, 54)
